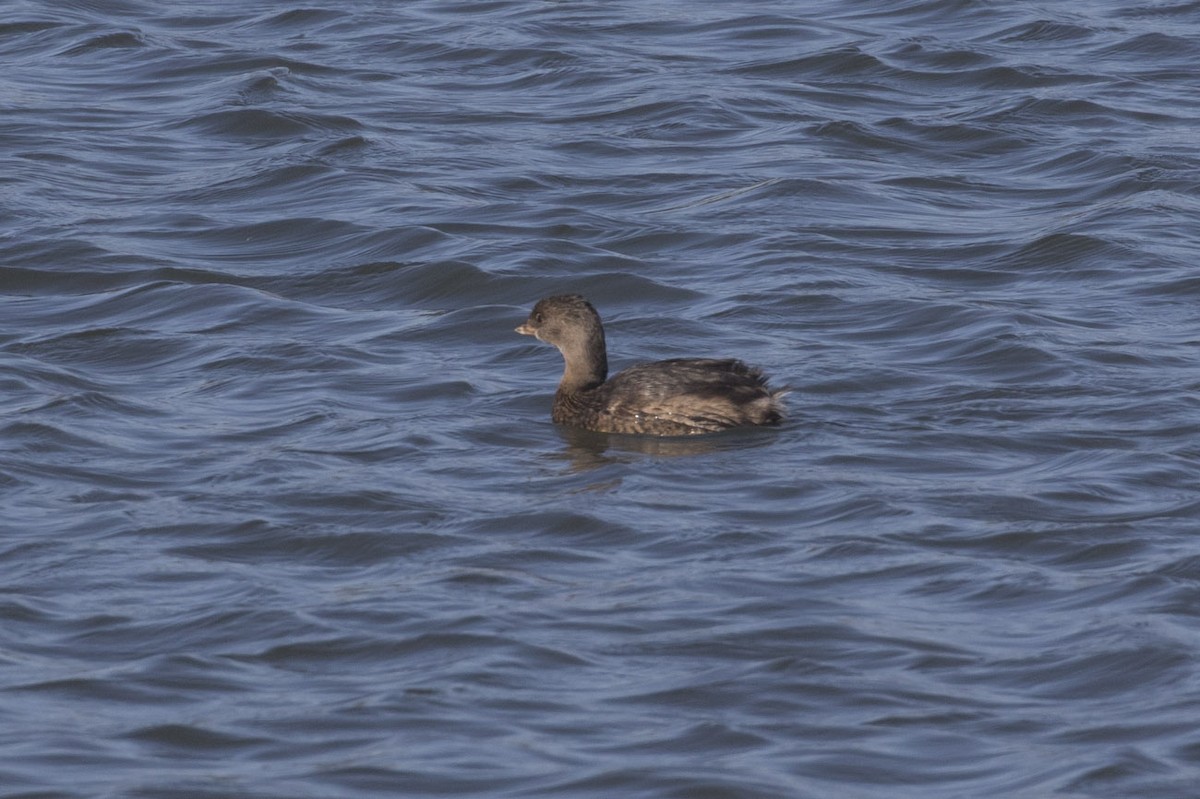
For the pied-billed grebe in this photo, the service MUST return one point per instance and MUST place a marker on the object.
(682, 396)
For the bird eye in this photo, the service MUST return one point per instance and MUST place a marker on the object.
(537, 318)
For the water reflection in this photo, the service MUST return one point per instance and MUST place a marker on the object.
(588, 450)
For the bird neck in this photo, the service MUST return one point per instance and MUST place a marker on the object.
(586, 365)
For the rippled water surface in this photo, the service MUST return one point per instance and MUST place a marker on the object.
(284, 514)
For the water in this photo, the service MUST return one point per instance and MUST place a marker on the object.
(284, 514)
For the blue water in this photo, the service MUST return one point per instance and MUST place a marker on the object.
(283, 511)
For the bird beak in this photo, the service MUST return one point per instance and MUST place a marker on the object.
(525, 329)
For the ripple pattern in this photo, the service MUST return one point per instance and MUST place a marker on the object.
(283, 514)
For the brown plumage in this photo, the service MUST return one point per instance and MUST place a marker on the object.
(682, 396)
